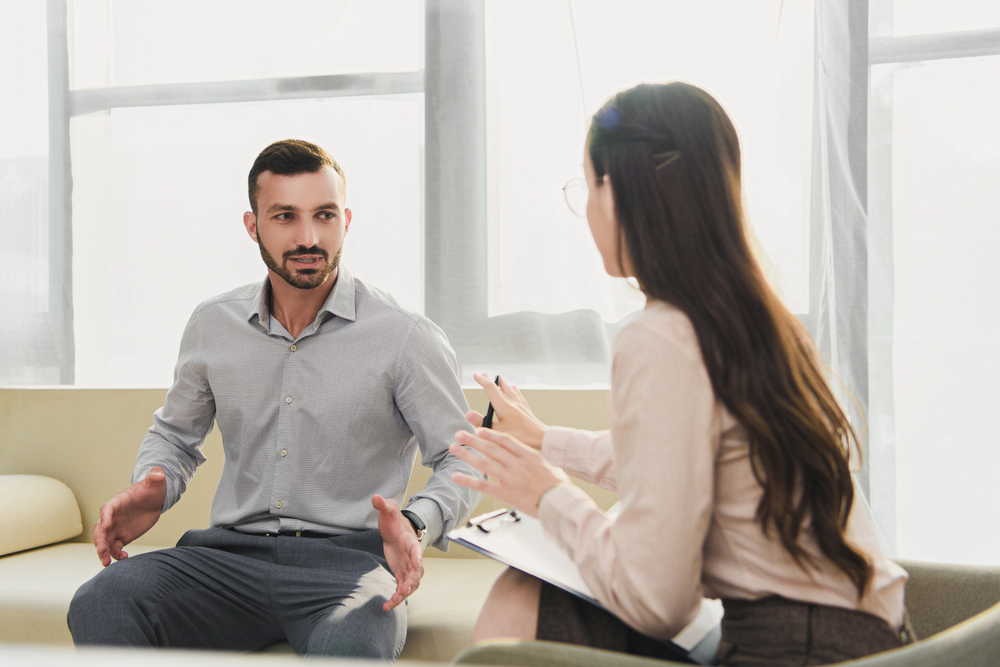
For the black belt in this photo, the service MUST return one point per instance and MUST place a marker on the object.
(298, 533)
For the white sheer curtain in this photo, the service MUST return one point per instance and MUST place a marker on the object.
(160, 190)
(28, 353)
(158, 205)
(550, 65)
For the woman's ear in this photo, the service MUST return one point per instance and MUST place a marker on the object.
(606, 198)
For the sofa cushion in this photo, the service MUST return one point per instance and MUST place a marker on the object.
(37, 586)
(38, 511)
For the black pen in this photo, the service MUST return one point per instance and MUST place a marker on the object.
(488, 419)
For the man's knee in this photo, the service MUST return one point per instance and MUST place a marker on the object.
(364, 632)
(104, 609)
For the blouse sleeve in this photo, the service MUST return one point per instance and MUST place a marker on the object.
(584, 454)
(645, 566)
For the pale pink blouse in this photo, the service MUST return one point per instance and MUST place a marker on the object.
(688, 497)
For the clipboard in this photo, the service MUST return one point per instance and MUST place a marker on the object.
(519, 541)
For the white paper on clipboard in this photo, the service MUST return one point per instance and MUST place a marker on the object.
(522, 544)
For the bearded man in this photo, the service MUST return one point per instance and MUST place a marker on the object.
(323, 388)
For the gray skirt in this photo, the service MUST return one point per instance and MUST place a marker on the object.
(773, 631)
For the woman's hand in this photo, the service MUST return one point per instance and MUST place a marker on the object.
(522, 475)
(511, 413)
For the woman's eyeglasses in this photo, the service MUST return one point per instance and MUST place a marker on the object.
(575, 192)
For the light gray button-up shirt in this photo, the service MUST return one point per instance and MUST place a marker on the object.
(313, 426)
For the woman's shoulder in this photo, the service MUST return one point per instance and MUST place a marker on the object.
(659, 325)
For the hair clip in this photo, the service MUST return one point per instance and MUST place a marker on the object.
(610, 119)
(667, 157)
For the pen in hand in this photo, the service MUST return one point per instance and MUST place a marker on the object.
(488, 419)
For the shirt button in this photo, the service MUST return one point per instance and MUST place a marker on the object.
(293, 347)
(288, 399)
(278, 504)
(284, 452)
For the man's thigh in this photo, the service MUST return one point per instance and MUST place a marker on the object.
(186, 597)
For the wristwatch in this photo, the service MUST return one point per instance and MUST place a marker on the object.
(418, 524)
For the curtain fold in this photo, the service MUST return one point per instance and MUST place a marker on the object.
(838, 313)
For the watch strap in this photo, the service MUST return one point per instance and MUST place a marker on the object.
(417, 522)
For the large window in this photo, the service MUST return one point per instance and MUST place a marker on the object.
(871, 161)
(934, 165)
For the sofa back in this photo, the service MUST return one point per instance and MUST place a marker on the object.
(88, 439)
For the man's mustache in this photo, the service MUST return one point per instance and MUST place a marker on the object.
(302, 250)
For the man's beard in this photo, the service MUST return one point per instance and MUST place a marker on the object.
(305, 278)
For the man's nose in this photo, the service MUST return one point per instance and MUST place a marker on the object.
(305, 234)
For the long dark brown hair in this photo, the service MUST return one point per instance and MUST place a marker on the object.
(673, 157)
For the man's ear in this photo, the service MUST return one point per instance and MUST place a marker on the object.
(250, 222)
(347, 219)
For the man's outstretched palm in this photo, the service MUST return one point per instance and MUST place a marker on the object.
(128, 515)
(402, 549)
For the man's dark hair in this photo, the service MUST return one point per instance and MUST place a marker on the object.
(289, 157)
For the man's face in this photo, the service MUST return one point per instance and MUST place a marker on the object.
(300, 224)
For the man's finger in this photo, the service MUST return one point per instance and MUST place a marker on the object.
(384, 505)
(107, 514)
(101, 545)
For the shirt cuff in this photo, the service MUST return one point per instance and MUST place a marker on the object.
(430, 513)
(173, 492)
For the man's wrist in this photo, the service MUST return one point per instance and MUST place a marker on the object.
(418, 525)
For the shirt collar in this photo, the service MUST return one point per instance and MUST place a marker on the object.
(340, 302)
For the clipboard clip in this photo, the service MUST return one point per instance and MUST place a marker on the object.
(493, 520)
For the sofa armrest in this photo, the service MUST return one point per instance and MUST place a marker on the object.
(550, 654)
(939, 596)
(37, 511)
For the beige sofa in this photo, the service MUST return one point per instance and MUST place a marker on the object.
(87, 439)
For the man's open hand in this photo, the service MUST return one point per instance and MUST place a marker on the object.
(402, 549)
(128, 515)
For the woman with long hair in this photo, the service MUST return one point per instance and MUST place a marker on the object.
(727, 445)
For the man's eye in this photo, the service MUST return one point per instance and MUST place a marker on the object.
(328, 215)
(284, 216)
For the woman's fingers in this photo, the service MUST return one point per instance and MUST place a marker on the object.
(474, 418)
(474, 483)
(494, 444)
(493, 392)
(508, 389)
(485, 466)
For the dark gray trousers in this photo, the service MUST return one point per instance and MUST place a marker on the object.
(220, 589)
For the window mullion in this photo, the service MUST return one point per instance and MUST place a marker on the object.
(965, 44)
(60, 193)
